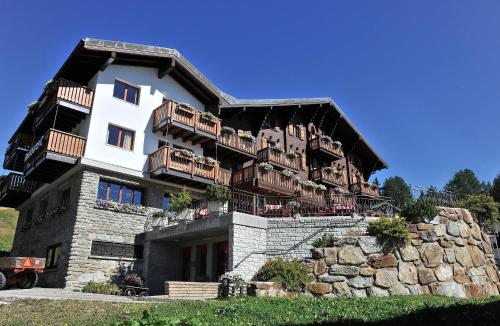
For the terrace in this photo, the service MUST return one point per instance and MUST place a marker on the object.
(15, 153)
(278, 157)
(172, 164)
(241, 144)
(15, 189)
(52, 155)
(267, 181)
(183, 121)
(325, 147)
(328, 176)
(366, 189)
(65, 100)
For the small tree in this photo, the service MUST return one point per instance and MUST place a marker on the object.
(484, 209)
(391, 231)
(181, 201)
(398, 190)
(420, 210)
(495, 189)
(293, 274)
(463, 183)
(218, 193)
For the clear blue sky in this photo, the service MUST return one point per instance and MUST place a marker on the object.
(420, 79)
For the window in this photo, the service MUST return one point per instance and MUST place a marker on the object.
(53, 254)
(120, 137)
(111, 249)
(296, 131)
(119, 193)
(166, 201)
(126, 92)
(65, 197)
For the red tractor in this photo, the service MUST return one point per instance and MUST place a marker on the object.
(20, 271)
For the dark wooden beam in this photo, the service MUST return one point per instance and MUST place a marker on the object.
(166, 69)
(110, 60)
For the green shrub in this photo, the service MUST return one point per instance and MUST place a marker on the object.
(101, 288)
(392, 231)
(153, 319)
(484, 209)
(218, 193)
(325, 241)
(292, 273)
(419, 210)
(180, 201)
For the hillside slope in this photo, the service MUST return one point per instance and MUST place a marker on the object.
(8, 220)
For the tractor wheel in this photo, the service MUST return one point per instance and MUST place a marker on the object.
(3, 280)
(28, 280)
(130, 292)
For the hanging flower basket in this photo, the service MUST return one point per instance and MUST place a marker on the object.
(208, 115)
(326, 139)
(287, 173)
(228, 130)
(183, 152)
(205, 160)
(310, 184)
(265, 166)
(248, 137)
(321, 187)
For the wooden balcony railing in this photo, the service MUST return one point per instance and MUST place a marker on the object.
(224, 177)
(331, 177)
(67, 91)
(57, 142)
(331, 147)
(365, 188)
(170, 158)
(271, 180)
(234, 141)
(20, 141)
(274, 156)
(17, 183)
(186, 115)
(311, 194)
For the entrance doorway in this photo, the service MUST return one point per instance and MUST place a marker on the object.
(186, 264)
(220, 259)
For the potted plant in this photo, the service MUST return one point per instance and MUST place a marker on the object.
(292, 155)
(287, 173)
(248, 137)
(180, 205)
(326, 139)
(218, 197)
(328, 169)
(208, 115)
(277, 149)
(265, 166)
(233, 284)
(228, 130)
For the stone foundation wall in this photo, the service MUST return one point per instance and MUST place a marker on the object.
(451, 257)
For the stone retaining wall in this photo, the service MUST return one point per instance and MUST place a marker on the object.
(451, 257)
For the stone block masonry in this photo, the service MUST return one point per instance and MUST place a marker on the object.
(451, 258)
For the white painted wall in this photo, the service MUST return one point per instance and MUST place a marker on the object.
(108, 109)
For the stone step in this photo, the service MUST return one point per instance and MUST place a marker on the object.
(177, 289)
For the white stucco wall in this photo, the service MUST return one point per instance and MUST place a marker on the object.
(108, 109)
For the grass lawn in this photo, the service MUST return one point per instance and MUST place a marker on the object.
(423, 310)
(8, 220)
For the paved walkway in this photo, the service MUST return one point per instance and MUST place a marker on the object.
(60, 294)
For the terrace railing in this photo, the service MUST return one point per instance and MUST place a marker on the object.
(186, 115)
(365, 188)
(57, 142)
(235, 141)
(334, 148)
(332, 177)
(270, 179)
(276, 156)
(17, 182)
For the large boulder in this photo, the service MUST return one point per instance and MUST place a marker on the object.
(386, 278)
(452, 228)
(360, 282)
(344, 270)
(331, 278)
(330, 252)
(425, 275)
(399, 289)
(407, 273)
(450, 289)
(459, 275)
(432, 254)
(467, 216)
(351, 255)
(477, 275)
(463, 257)
(476, 255)
(475, 231)
(384, 261)
(444, 272)
(377, 292)
(408, 253)
(474, 291)
(341, 289)
(449, 256)
(319, 288)
(370, 245)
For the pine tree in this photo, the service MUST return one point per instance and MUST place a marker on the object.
(463, 183)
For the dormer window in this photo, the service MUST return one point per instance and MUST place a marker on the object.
(126, 92)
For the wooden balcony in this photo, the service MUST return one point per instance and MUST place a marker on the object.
(234, 145)
(311, 195)
(325, 148)
(15, 189)
(173, 165)
(277, 158)
(52, 155)
(365, 189)
(182, 121)
(330, 178)
(265, 182)
(16, 151)
(66, 103)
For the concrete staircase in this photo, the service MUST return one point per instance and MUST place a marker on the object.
(199, 290)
